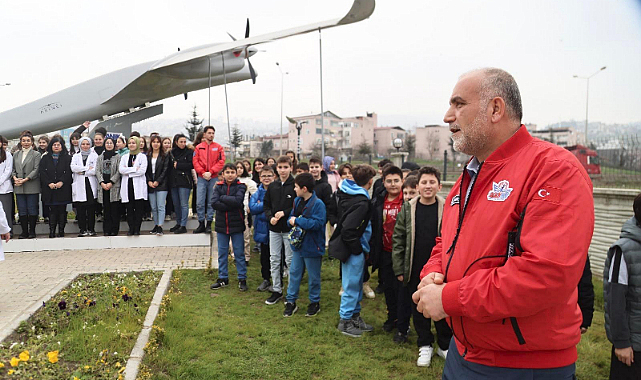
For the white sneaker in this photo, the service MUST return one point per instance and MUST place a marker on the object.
(424, 356)
(367, 290)
(441, 353)
(340, 292)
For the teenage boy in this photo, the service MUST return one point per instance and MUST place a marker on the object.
(354, 229)
(386, 206)
(423, 215)
(378, 183)
(278, 204)
(261, 229)
(308, 215)
(322, 188)
(209, 159)
(301, 168)
(228, 200)
(622, 298)
(410, 190)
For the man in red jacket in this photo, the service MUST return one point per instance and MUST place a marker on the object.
(515, 234)
(209, 159)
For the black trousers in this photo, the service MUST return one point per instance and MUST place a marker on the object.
(620, 371)
(422, 325)
(390, 285)
(86, 215)
(265, 266)
(135, 209)
(111, 214)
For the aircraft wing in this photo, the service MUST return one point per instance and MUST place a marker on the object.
(360, 10)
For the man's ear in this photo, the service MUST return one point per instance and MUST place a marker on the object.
(497, 109)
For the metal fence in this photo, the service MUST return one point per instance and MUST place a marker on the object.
(619, 158)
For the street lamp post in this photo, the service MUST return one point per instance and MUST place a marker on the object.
(587, 97)
(299, 127)
(282, 79)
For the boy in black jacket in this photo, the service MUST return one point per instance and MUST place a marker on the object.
(278, 204)
(322, 188)
(228, 200)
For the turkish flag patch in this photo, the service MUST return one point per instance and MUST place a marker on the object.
(548, 193)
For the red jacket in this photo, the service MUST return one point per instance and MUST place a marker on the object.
(209, 158)
(521, 311)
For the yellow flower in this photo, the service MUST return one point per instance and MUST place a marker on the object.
(11, 371)
(1, 365)
(24, 356)
(118, 364)
(53, 356)
(76, 378)
(15, 361)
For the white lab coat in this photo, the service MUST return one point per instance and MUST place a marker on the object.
(4, 229)
(78, 191)
(135, 173)
(6, 168)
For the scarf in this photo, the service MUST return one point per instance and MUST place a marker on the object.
(85, 153)
(55, 157)
(107, 154)
(99, 149)
(137, 150)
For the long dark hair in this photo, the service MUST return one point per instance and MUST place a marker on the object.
(56, 139)
(245, 172)
(3, 150)
(150, 152)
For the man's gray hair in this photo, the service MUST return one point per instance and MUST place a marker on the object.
(499, 83)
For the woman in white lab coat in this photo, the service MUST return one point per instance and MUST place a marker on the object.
(84, 188)
(133, 185)
(6, 187)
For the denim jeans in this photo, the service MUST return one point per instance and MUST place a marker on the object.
(205, 190)
(352, 286)
(180, 196)
(313, 265)
(157, 199)
(458, 368)
(27, 204)
(223, 251)
(276, 242)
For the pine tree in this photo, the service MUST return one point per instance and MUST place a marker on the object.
(194, 125)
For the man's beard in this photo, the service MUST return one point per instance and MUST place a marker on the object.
(475, 137)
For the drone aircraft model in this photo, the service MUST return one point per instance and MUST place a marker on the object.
(124, 96)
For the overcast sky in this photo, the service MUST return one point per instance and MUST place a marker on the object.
(402, 63)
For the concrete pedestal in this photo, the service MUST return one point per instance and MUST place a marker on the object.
(398, 158)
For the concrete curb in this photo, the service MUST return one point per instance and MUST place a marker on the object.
(138, 352)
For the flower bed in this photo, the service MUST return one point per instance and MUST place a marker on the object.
(86, 331)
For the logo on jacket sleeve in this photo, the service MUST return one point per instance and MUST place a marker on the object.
(455, 200)
(500, 191)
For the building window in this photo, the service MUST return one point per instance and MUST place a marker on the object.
(319, 131)
(318, 122)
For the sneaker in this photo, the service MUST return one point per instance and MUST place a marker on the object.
(340, 292)
(400, 338)
(242, 285)
(174, 228)
(441, 353)
(154, 230)
(200, 229)
(264, 286)
(424, 356)
(360, 323)
(349, 328)
(91, 233)
(181, 230)
(159, 231)
(83, 234)
(275, 297)
(389, 325)
(220, 283)
(290, 309)
(313, 309)
(367, 290)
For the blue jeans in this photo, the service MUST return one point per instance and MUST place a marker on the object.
(237, 242)
(205, 190)
(180, 196)
(157, 199)
(27, 204)
(313, 265)
(458, 368)
(352, 286)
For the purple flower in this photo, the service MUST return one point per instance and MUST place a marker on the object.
(62, 305)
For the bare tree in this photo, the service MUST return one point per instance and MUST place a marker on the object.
(432, 143)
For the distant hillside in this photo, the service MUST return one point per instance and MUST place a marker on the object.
(600, 130)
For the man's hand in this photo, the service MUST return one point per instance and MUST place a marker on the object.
(279, 215)
(429, 301)
(292, 220)
(584, 330)
(431, 278)
(625, 355)
(273, 221)
(207, 176)
(400, 278)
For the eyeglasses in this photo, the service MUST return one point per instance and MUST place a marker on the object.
(266, 176)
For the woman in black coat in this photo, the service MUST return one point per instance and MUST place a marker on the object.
(55, 184)
(181, 182)
(158, 182)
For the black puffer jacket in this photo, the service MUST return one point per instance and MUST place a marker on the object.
(162, 168)
(228, 201)
(181, 175)
(279, 197)
(50, 173)
(323, 189)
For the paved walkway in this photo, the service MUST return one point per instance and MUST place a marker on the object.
(28, 278)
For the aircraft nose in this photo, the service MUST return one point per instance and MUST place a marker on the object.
(251, 51)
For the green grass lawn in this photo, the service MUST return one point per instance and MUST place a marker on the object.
(205, 334)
